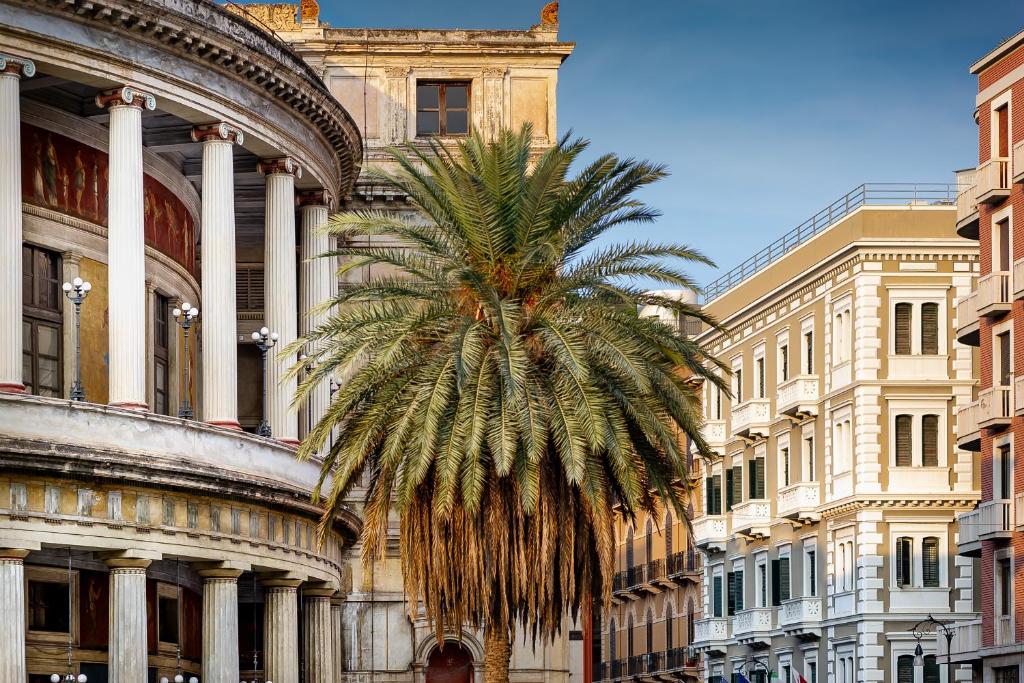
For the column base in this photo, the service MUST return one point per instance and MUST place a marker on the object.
(226, 424)
(12, 387)
(143, 407)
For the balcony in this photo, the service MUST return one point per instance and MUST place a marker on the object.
(995, 519)
(1004, 631)
(683, 567)
(994, 181)
(711, 635)
(994, 299)
(644, 666)
(752, 518)
(801, 617)
(968, 434)
(1018, 511)
(714, 433)
(967, 326)
(965, 646)
(798, 397)
(995, 407)
(752, 418)
(657, 577)
(1018, 162)
(968, 525)
(710, 533)
(619, 585)
(617, 670)
(800, 501)
(967, 213)
(678, 659)
(753, 626)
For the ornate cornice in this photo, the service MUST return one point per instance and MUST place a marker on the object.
(285, 165)
(900, 501)
(19, 66)
(217, 131)
(126, 96)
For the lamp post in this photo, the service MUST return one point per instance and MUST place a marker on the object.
(753, 665)
(70, 676)
(185, 316)
(265, 340)
(76, 291)
(948, 630)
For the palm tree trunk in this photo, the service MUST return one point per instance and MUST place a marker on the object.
(497, 653)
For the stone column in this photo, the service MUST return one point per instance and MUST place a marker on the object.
(318, 635)
(11, 71)
(338, 637)
(220, 625)
(219, 320)
(281, 630)
(126, 248)
(128, 656)
(12, 603)
(280, 301)
(315, 287)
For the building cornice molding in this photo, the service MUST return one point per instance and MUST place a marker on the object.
(951, 502)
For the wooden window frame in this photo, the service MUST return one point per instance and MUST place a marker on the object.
(167, 590)
(36, 315)
(442, 107)
(59, 576)
(161, 350)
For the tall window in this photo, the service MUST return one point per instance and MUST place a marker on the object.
(733, 487)
(442, 108)
(612, 644)
(904, 313)
(1004, 587)
(809, 352)
(41, 322)
(904, 561)
(1005, 350)
(716, 595)
(784, 464)
(755, 480)
(784, 362)
(1002, 131)
(930, 328)
(1001, 246)
(735, 581)
(668, 534)
(1004, 470)
(629, 636)
(811, 571)
(760, 378)
(690, 622)
(930, 440)
(930, 562)
(713, 486)
(903, 441)
(931, 669)
(161, 344)
(668, 627)
(737, 388)
(649, 541)
(629, 548)
(762, 585)
(809, 457)
(650, 631)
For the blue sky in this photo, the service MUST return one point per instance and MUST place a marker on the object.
(763, 111)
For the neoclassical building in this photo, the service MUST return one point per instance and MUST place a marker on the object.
(172, 152)
(827, 518)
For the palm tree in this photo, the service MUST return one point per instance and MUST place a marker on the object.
(501, 393)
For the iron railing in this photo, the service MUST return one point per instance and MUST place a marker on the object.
(869, 194)
(682, 562)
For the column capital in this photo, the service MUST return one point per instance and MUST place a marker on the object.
(220, 574)
(315, 198)
(13, 554)
(285, 165)
(128, 559)
(318, 592)
(71, 257)
(126, 96)
(280, 584)
(219, 131)
(17, 66)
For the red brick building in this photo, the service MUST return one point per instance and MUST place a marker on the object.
(992, 318)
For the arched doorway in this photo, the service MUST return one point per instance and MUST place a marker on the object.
(453, 664)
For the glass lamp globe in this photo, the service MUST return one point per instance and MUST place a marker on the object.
(178, 678)
(82, 678)
(163, 679)
(67, 288)
(55, 678)
(273, 336)
(77, 282)
(185, 306)
(193, 679)
(176, 312)
(255, 337)
(265, 331)
(86, 286)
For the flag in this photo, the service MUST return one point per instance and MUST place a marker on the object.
(799, 677)
(740, 678)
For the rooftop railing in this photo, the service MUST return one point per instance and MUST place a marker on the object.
(870, 194)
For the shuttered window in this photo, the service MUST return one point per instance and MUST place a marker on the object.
(738, 587)
(812, 574)
(930, 440)
(930, 562)
(731, 585)
(755, 481)
(784, 591)
(905, 669)
(729, 495)
(903, 440)
(784, 362)
(716, 596)
(249, 287)
(784, 457)
(714, 495)
(904, 560)
(903, 316)
(931, 669)
(760, 377)
(930, 328)
(776, 597)
(738, 389)
(809, 352)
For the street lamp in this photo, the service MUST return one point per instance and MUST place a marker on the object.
(76, 291)
(265, 340)
(948, 629)
(184, 316)
(70, 676)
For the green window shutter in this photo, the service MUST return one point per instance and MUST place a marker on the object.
(930, 440)
(905, 669)
(739, 386)
(729, 500)
(737, 485)
(785, 467)
(784, 360)
(751, 479)
(716, 595)
(930, 328)
(812, 574)
(784, 578)
(709, 496)
(903, 440)
(739, 590)
(903, 315)
(731, 596)
(931, 669)
(760, 478)
(809, 341)
(904, 558)
(930, 562)
(776, 597)
(718, 494)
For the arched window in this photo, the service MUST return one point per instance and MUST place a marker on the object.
(668, 627)
(629, 636)
(629, 548)
(668, 535)
(649, 540)
(689, 622)
(612, 637)
(650, 631)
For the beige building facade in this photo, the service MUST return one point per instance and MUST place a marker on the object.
(827, 518)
